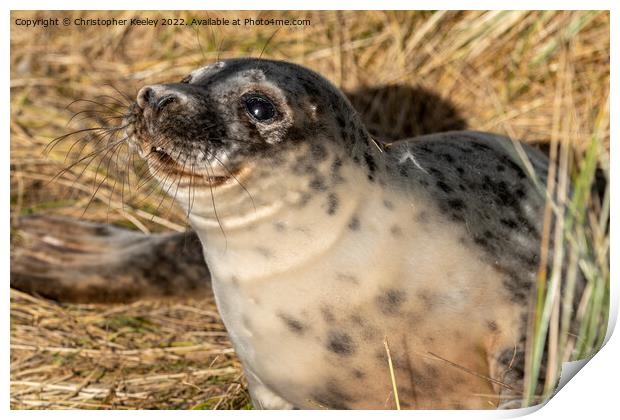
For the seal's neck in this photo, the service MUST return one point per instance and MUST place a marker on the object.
(283, 217)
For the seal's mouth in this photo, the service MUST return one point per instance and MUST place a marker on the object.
(174, 165)
(185, 174)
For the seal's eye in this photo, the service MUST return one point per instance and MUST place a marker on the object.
(260, 108)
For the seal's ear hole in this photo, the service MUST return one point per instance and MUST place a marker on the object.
(259, 107)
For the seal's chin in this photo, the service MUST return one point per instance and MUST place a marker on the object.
(168, 169)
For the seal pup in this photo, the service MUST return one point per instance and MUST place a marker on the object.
(324, 245)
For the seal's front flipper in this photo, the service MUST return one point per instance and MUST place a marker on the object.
(78, 261)
(264, 398)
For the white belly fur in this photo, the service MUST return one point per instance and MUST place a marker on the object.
(328, 279)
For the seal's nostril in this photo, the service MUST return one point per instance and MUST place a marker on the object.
(155, 98)
(145, 97)
(165, 101)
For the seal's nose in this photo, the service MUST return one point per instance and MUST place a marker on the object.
(155, 97)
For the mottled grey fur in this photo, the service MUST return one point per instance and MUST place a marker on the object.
(469, 183)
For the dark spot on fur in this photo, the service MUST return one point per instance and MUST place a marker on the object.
(372, 166)
(460, 170)
(517, 285)
(500, 168)
(336, 166)
(341, 122)
(292, 324)
(358, 374)
(444, 187)
(318, 183)
(303, 166)
(370, 162)
(390, 302)
(396, 230)
(530, 260)
(311, 88)
(279, 226)
(332, 204)
(332, 397)
(388, 204)
(457, 204)
(492, 325)
(509, 223)
(361, 135)
(318, 152)
(503, 195)
(436, 173)
(354, 224)
(482, 242)
(304, 199)
(340, 343)
(457, 217)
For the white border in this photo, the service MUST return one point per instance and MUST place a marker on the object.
(314, 5)
(591, 395)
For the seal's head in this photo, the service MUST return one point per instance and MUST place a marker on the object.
(222, 121)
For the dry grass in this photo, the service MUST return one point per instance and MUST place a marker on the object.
(144, 355)
(534, 76)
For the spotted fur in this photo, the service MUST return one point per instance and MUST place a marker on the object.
(327, 244)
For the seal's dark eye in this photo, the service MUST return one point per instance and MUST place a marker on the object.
(260, 108)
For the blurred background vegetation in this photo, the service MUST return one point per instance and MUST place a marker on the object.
(534, 76)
